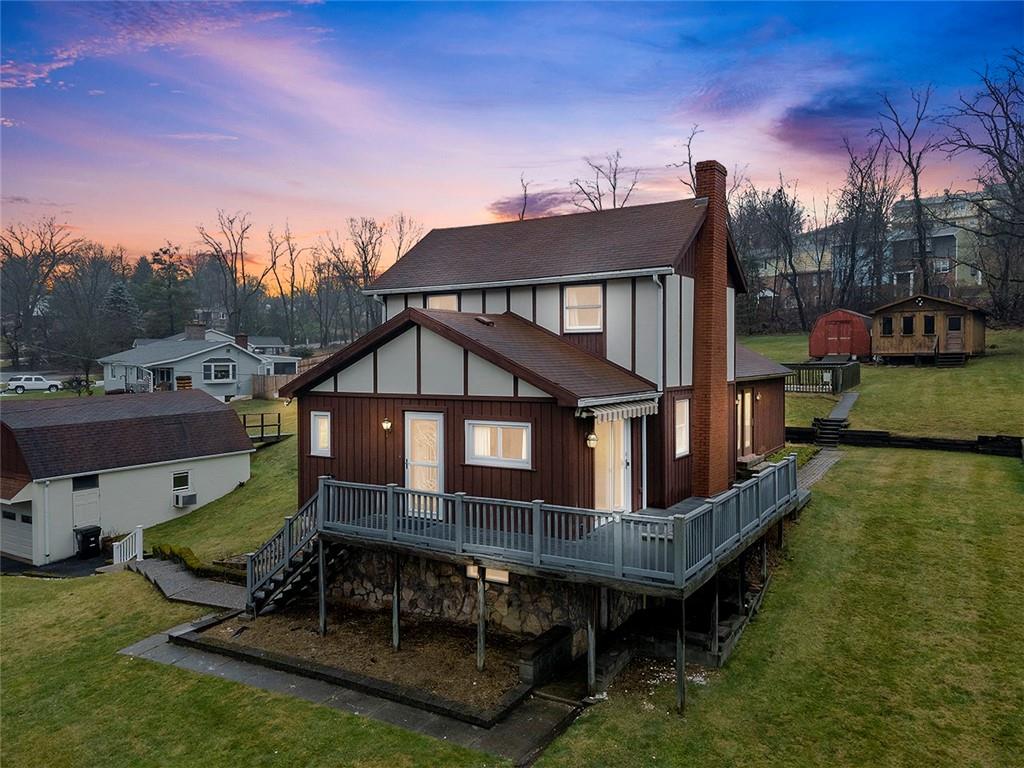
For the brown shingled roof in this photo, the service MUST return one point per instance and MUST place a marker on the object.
(525, 349)
(751, 365)
(638, 237)
(90, 434)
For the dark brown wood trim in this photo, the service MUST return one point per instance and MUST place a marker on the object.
(374, 371)
(419, 361)
(632, 326)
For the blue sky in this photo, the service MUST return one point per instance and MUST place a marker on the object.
(134, 122)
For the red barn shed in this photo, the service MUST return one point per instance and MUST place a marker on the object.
(841, 332)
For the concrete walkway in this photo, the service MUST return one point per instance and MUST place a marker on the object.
(520, 737)
(815, 469)
(842, 408)
(178, 583)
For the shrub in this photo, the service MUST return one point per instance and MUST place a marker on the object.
(187, 557)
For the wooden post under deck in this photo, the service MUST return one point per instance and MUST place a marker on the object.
(681, 658)
(714, 621)
(481, 617)
(591, 653)
(321, 586)
(741, 580)
(764, 560)
(779, 534)
(396, 601)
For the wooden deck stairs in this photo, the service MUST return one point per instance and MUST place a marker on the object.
(950, 360)
(298, 579)
(827, 430)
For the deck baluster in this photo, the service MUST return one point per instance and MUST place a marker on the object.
(460, 521)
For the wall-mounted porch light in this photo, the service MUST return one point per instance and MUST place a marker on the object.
(591, 440)
(386, 425)
(757, 396)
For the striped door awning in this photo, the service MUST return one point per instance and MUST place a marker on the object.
(619, 411)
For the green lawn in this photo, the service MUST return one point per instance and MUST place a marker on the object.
(245, 518)
(802, 409)
(69, 700)
(891, 636)
(985, 397)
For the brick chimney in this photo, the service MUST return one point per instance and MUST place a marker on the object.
(242, 340)
(195, 331)
(712, 408)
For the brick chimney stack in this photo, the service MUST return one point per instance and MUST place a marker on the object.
(195, 331)
(242, 340)
(712, 408)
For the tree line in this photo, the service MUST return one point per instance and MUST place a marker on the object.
(68, 301)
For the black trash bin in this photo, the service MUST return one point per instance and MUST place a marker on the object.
(88, 538)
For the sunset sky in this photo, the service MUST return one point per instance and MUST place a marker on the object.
(135, 122)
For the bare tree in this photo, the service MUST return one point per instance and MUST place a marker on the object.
(689, 179)
(819, 238)
(227, 246)
(327, 285)
(366, 235)
(782, 215)
(405, 232)
(525, 186)
(611, 183)
(285, 255)
(30, 257)
(905, 136)
(989, 125)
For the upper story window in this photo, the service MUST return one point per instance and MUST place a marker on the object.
(444, 301)
(320, 433)
(907, 327)
(583, 308)
(887, 325)
(498, 444)
(219, 371)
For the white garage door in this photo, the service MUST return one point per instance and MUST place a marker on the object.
(16, 532)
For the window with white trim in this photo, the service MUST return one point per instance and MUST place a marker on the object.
(498, 443)
(320, 433)
(682, 415)
(220, 372)
(444, 301)
(181, 481)
(584, 311)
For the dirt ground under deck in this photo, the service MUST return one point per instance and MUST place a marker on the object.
(436, 657)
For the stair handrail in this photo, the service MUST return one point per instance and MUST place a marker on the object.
(263, 564)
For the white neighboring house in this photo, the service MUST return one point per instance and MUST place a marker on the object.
(272, 349)
(115, 462)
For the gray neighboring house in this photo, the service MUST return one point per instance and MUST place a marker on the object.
(218, 367)
(272, 349)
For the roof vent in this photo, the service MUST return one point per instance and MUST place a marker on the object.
(484, 319)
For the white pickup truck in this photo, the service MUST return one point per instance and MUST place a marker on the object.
(19, 384)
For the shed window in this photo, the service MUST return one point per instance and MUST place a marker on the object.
(682, 428)
(887, 325)
(85, 482)
(220, 372)
(444, 301)
(9, 515)
(498, 444)
(583, 308)
(320, 433)
(929, 325)
(907, 327)
(181, 481)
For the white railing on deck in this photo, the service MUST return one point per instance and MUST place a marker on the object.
(637, 547)
(129, 548)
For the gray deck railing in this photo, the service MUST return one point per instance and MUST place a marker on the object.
(659, 548)
(277, 551)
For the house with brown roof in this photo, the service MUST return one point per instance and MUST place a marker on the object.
(111, 462)
(544, 404)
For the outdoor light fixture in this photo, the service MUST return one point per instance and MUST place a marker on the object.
(757, 396)
(386, 424)
(591, 440)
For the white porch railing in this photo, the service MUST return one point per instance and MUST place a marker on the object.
(129, 548)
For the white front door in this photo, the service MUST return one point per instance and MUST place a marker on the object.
(424, 451)
(612, 466)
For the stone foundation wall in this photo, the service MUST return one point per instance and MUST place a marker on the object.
(527, 605)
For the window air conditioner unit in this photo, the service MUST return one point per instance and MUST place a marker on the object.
(182, 500)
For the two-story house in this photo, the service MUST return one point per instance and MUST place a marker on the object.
(549, 406)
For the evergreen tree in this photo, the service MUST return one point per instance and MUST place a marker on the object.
(121, 315)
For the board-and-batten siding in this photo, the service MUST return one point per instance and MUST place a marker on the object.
(421, 362)
(362, 452)
(769, 415)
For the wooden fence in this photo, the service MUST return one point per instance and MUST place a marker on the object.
(265, 385)
(824, 378)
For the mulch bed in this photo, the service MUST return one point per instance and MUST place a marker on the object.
(436, 657)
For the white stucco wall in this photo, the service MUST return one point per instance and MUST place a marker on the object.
(130, 497)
